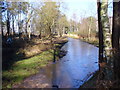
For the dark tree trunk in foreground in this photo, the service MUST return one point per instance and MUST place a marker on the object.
(116, 39)
(104, 41)
(100, 33)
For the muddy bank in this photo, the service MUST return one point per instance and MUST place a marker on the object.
(92, 82)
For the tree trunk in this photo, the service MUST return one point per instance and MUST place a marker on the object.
(115, 39)
(26, 29)
(28, 24)
(19, 18)
(1, 24)
(19, 23)
(106, 40)
(100, 33)
(89, 30)
(106, 28)
(40, 34)
(63, 30)
(8, 23)
(13, 24)
(2, 29)
(29, 32)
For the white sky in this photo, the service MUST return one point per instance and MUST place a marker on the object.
(82, 8)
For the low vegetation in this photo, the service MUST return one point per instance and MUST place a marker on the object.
(93, 40)
(20, 67)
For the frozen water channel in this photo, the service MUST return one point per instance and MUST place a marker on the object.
(71, 71)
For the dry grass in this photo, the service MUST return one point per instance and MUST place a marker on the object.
(27, 58)
(37, 46)
(92, 40)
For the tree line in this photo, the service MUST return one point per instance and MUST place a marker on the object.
(24, 18)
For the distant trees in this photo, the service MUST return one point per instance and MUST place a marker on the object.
(45, 19)
(25, 18)
(86, 28)
(62, 25)
(11, 15)
(72, 26)
(49, 15)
